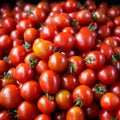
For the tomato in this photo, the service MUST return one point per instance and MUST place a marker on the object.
(5, 42)
(84, 17)
(43, 117)
(49, 81)
(30, 90)
(115, 88)
(10, 96)
(61, 20)
(92, 111)
(83, 95)
(103, 6)
(17, 55)
(41, 66)
(45, 101)
(27, 110)
(9, 24)
(48, 31)
(31, 34)
(4, 66)
(62, 97)
(107, 74)
(87, 77)
(5, 115)
(68, 30)
(69, 82)
(23, 73)
(43, 5)
(84, 39)
(76, 113)
(42, 48)
(95, 60)
(117, 21)
(116, 31)
(76, 64)
(71, 6)
(37, 15)
(109, 101)
(60, 115)
(57, 62)
(3, 31)
(106, 115)
(64, 41)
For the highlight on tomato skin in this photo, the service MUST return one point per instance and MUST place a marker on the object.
(59, 60)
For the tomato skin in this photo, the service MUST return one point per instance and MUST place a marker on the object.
(17, 55)
(84, 39)
(57, 62)
(107, 75)
(27, 110)
(95, 60)
(87, 77)
(75, 113)
(43, 103)
(10, 96)
(84, 17)
(42, 48)
(30, 90)
(83, 93)
(62, 97)
(64, 41)
(23, 73)
(109, 101)
(5, 42)
(60, 115)
(69, 82)
(43, 117)
(49, 81)
(4, 115)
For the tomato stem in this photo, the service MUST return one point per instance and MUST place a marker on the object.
(74, 23)
(78, 102)
(32, 62)
(89, 59)
(49, 96)
(72, 67)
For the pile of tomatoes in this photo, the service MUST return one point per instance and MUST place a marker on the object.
(59, 61)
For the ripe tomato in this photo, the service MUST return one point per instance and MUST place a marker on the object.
(62, 97)
(87, 77)
(10, 96)
(107, 74)
(75, 113)
(27, 110)
(23, 73)
(60, 115)
(84, 17)
(84, 39)
(69, 82)
(5, 42)
(31, 34)
(17, 55)
(64, 41)
(95, 60)
(76, 64)
(57, 62)
(49, 81)
(45, 101)
(109, 101)
(42, 48)
(30, 90)
(83, 95)
(43, 117)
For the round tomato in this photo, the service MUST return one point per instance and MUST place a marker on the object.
(10, 96)
(43, 117)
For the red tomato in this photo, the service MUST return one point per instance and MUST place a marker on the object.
(64, 41)
(62, 97)
(43, 117)
(23, 73)
(57, 62)
(27, 110)
(45, 101)
(107, 74)
(10, 96)
(83, 95)
(30, 90)
(49, 81)
(75, 113)
(109, 101)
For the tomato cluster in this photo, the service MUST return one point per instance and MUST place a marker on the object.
(59, 61)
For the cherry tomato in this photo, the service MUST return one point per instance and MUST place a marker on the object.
(43, 117)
